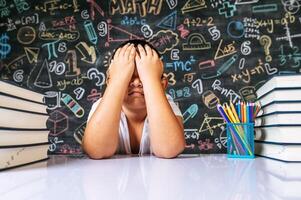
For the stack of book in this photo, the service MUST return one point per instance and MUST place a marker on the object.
(278, 124)
(23, 131)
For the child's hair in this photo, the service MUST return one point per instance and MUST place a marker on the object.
(136, 42)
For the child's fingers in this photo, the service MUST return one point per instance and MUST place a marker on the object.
(148, 50)
(128, 51)
(122, 51)
(132, 52)
(155, 54)
(137, 57)
(117, 52)
(141, 50)
(137, 51)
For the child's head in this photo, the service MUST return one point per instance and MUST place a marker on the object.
(136, 42)
(134, 97)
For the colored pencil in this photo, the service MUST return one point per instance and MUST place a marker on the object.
(240, 113)
(234, 112)
(238, 137)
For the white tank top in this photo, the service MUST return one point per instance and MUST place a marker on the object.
(124, 146)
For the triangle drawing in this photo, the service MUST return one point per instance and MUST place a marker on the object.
(169, 22)
(43, 79)
(193, 5)
(32, 54)
(117, 34)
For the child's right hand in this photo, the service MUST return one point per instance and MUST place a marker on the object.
(123, 64)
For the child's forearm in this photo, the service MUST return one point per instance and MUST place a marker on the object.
(166, 132)
(101, 134)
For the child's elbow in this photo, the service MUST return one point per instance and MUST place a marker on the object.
(171, 152)
(96, 154)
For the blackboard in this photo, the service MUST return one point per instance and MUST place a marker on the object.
(213, 51)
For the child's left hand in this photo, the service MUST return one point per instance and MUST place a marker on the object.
(149, 65)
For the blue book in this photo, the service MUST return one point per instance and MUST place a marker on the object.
(282, 152)
(279, 118)
(18, 137)
(279, 134)
(280, 94)
(20, 92)
(13, 102)
(280, 82)
(11, 157)
(280, 106)
(20, 119)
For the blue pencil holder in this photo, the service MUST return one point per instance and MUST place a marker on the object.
(240, 140)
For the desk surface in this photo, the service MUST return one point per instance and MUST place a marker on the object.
(190, 177)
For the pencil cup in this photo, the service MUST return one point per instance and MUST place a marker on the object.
(240, 140)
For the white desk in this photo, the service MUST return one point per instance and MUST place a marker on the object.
(140, 178)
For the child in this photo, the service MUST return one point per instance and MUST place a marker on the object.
(134, 116)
